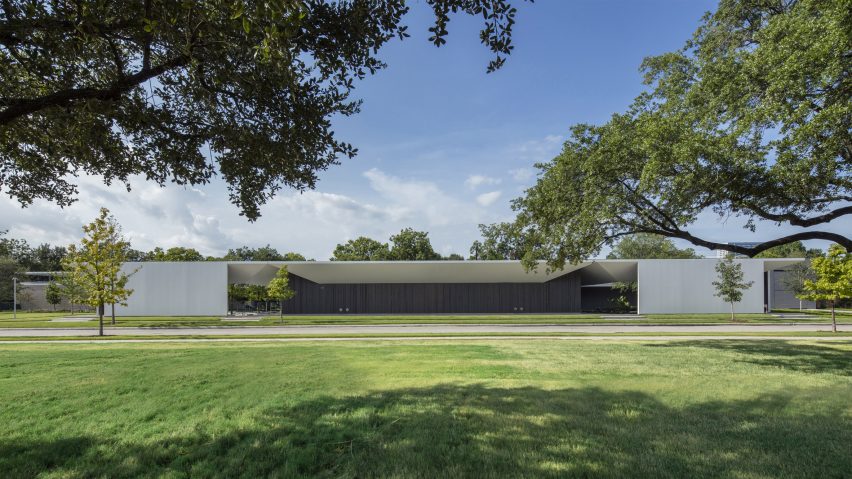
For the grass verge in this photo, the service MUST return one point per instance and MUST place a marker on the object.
(440, 409)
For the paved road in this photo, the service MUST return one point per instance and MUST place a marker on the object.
(427, 329)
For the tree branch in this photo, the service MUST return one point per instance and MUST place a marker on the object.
(797, 220)
(22, 107)
(751, 252)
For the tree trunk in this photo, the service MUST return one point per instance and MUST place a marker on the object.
(733, 318)
(833, 318)
(100, 319)
(281, 311)
(800, 304)
(113, 312)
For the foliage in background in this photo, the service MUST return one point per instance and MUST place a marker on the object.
(412, 245)
(115, 89)
(176, 253)
(795, 277)
(97, 263)
(501, 241)
(750, 119)
(621, 303)
(730, 284)
(407, 245)
(279, 289)
(53, 294)
(9, 269)
(72, 286)
(649, 246)
(833, 279)
(43, 257)
(791, 250)
(361, 249)
(264, 253)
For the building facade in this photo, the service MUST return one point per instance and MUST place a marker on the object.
(674, 286)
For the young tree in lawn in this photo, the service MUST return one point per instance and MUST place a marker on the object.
(53, 294)
(71, 286)
(279, 288)
(833, 279)
(730, 285)
(795, 278)
(237, 293)
(98, 262)
(257, 294)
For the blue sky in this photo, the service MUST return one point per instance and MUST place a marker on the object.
(443, 146)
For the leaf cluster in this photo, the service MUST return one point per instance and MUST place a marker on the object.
(177, 91)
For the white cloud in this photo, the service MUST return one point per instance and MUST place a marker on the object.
(475, 181)
(311, 223)
(487, 199)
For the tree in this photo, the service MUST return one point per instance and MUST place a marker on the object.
(361, 249)
(176, 253)
(245, 253)
(53, 294)
(795, 278)
(44, 257)
(454, 257)
(116, 89)
(750, 119)
(625, 289)
(257, 294)
(16, 249)
(279, 288)
(98, 264)
(730, 285)
(501, 241)
(833, 279)
(237, 292)
(412, 245)
(9, 269)
(649, 246)
(291, 256)
(795, 249)
(72, 287)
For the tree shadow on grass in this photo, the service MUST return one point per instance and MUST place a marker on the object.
(809, 358)
(476, 431)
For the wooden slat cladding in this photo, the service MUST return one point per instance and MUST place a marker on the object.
(560, 295)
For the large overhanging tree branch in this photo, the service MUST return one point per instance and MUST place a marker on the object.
(752, 119)
(179, 91)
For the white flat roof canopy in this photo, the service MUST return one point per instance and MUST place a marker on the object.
(470, 271)
(467, 271)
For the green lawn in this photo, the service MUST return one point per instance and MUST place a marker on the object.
(43, 320)
(745, 409)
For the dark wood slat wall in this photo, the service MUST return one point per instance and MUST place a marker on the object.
(561, 295)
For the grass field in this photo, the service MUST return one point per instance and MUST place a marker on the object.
(439, 409)
(43, 320)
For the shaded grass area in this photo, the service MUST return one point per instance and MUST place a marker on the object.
(469, 409)
(43, 320)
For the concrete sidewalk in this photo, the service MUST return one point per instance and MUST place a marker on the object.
(426, 329)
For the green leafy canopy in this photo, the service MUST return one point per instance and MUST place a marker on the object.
(752, 118)
(179, 91)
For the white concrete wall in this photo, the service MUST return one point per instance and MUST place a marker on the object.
(177, 289)
(672, 286)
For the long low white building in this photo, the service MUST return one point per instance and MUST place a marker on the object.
(673, 286)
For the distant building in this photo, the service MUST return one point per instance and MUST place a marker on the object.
(722, 253)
